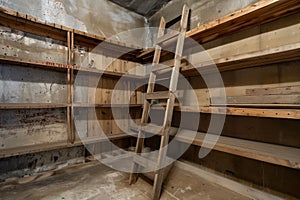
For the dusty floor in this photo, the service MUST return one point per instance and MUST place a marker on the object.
(100, 182)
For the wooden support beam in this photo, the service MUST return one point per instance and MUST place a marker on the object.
(72, 81)
(69, 95)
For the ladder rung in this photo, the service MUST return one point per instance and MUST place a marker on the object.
(145, 162)
(163, 79)
(150, 162)
(158, 95)
(159, 67)
(163, 95)
(170, 62)
(154, 129)
(169, 36)
(116, 158)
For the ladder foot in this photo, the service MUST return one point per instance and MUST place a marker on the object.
(133, 179)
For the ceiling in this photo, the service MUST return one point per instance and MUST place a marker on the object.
(143, 7)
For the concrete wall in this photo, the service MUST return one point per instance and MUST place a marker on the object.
(19, 166)
(99, 17)
(201, 11)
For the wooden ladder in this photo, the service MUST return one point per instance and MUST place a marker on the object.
(169, 95)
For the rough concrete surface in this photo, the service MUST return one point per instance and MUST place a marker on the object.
(98, 17)
(101, 182)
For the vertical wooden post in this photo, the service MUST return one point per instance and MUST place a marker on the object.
(70, 79)
(69, 89)
(72, 125)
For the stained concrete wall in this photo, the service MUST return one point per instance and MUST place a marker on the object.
(20, 84)
(19, 166)
(99, 17)
(201, 11)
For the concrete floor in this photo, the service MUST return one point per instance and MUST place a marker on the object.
(100, 182)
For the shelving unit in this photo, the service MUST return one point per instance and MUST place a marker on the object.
(70, 38)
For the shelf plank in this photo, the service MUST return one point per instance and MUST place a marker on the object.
(63, 105)
(274, 90)
(108, 73)
(254, 112)
(290, 52)
(93, 140)
(267, 10)
(63, 67)
(238, 111)
(82, 105)
(261, 99)
(4, 153)
(33, 63)
(270, 153)
(31, 105)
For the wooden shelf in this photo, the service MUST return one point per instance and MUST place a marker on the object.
(33, 63)
(267, 10)
(63, 67)
(290, 52)
(109, 73)
(83, 105)
(92, 140)
(286, 53)
(270, 153)
(4, 153)
(238, 111)
(262, 12)
(31, 105)
(63, 105)
(276, 106)
(275, 55)
(29, 24)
